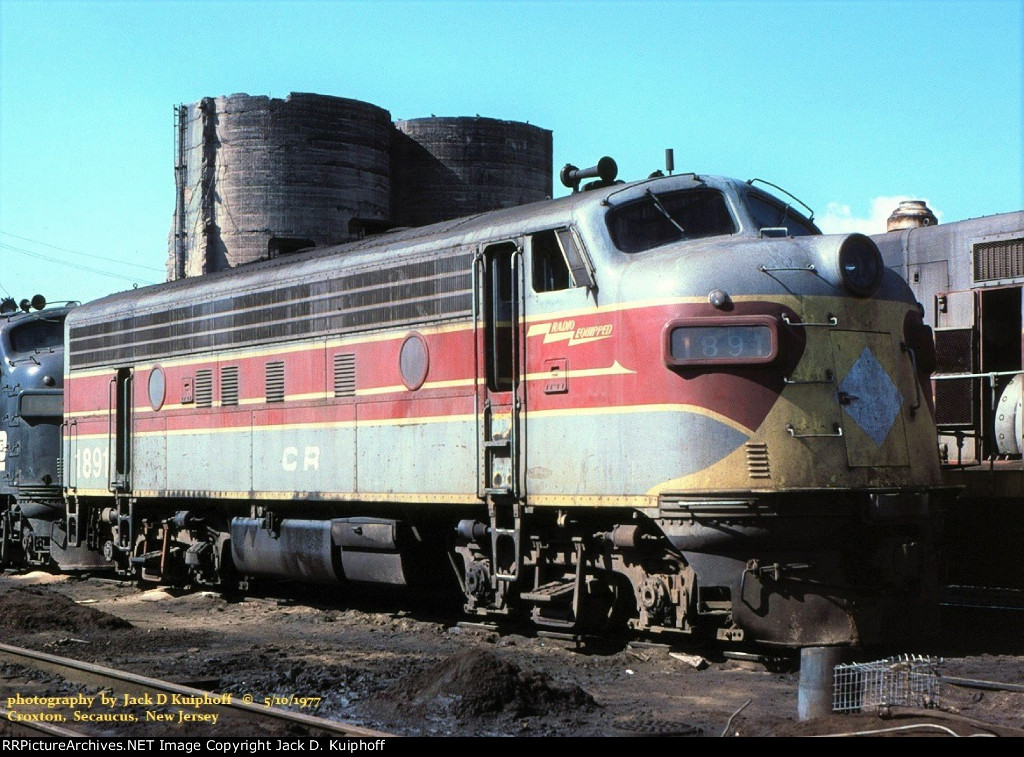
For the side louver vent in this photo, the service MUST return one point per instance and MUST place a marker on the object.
(229, 385)
(757, 460)
(275, 381)
(344, 375)
(204, 388)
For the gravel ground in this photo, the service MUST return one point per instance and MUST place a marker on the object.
(419, 672)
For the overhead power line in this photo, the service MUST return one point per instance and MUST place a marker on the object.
(77, 252)
(78, 266)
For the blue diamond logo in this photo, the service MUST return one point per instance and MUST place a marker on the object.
(869, 397)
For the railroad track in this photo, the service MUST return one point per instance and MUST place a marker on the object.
(983, 597)
(124, 701)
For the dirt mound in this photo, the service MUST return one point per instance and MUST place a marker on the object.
(41, 610)
(477, 682)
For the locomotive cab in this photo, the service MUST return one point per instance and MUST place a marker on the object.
(788, 370)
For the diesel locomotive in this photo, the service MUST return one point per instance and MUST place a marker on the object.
(969, 275)
(31, 414)
(671, 405)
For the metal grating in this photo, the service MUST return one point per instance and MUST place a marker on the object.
(954, 402)
(39, 492)
(954, 350)
(204, 388)
(999, 260)
(904, 681)
(275, 381)
(757, 460)
(229, 385)
(344, 375)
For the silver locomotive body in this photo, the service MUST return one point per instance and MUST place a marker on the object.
(670, 404)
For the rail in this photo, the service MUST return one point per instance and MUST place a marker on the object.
(137, 689)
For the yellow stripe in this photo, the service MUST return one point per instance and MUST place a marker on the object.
(659, 302)
(464, 418)
(613, 370)
(449, 384)
(580, 500)
(791, 301)
(413, 497)
(794, 302)
(632, 409)
(286, 348)
(258, 352)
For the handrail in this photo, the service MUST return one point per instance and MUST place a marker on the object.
(963, 433)
(990, 374)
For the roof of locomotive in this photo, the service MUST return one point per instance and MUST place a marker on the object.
(924, 243)
(13, 319)
(586, 207)
(11, 322)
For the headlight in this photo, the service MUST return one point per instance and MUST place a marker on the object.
(860, 265)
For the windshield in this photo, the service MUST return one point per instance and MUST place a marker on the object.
(658, 219)
(39, 334)
(770, 214)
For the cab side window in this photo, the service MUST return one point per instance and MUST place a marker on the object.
(772, 215)
(558, 261)
(550, 273)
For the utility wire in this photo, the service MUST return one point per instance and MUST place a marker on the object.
(76, 252)
(74, 265)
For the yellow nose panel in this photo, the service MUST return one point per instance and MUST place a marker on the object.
(870, 398)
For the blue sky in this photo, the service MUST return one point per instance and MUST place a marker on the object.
(850, 105)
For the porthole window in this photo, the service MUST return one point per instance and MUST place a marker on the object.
(157, 388)
(413, 361)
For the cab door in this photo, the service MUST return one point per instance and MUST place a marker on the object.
(500, 407)
(120, 438)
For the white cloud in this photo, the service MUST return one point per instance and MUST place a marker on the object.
(839, 219)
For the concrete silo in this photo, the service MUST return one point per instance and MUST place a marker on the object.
(444, 168)
(259, 177)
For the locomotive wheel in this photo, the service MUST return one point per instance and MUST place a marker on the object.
(231, 583)
(616, 605)
(174, 572)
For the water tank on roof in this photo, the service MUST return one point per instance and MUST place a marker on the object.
(259, 177)
(445, 168)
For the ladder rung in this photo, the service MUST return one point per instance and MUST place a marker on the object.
(550, 593)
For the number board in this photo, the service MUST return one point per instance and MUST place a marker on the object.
(705, 341)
